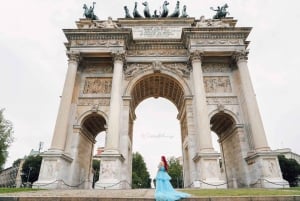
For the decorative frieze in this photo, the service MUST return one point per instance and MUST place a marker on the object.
(217, 84)
(103, 43)
(96, 85)
(219, 42)
(224, 100)
(92, 68)
(135, 69)
(158, 52)
(93, 101)
(215, 68)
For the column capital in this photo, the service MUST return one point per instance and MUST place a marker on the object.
(195, 55)
(240, 55)
(118, 56)
(73, 56)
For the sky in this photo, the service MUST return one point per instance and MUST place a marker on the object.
(34, 63)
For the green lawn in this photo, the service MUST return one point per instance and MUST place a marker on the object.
(14, 190)
(243, 192)
(205, 192)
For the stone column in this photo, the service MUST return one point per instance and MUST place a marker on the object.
(62, 121)
(112, 140)
(201, 114)
(255, 122)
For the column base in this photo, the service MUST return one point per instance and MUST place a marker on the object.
(210, 184)
(271, 183)
(110, 172)
(265, 171)
(209, 171)
(54, 172)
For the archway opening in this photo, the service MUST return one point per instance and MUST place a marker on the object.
(222, 124)
(93, 130)
(156, 131)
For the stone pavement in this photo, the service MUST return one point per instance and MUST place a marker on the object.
(121, 195)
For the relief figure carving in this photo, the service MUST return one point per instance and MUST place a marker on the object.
(217, 84)
(97, 85)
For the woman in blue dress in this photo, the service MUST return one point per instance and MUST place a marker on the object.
(164, 190)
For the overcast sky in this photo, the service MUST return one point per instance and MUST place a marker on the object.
(34, 64)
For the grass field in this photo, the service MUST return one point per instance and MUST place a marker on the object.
(205, 192)
(14, 190)
(243, 192)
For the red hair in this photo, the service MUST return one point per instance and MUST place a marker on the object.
(163, 159)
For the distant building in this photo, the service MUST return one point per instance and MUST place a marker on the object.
(8, 177)
(11, 177)
(287, 152)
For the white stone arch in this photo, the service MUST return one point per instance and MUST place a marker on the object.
(186, 88)
(226, 111)
(87, 113)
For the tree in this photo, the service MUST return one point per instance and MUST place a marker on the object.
(31, 168)
(96, 168)
(175, 172)
(290, 169)
(140, 174)
(6, 138)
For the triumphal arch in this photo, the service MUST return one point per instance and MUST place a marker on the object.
(200, 65)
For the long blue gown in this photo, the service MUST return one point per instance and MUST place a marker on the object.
(164, 190)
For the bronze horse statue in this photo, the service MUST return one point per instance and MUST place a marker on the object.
(221, 12)
(146, 10)
(89, 12)
(165, 9)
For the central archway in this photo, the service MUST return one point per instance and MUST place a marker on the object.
(157, 85)
(165, 86)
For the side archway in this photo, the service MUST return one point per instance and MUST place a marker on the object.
(232, 141)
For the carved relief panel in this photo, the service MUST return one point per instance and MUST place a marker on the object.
(96, 85)
(217, 84)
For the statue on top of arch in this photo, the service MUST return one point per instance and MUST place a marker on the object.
(221, 11)
(89, 12)
(162, 14)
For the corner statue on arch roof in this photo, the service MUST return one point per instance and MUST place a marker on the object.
(89, 12)
(221, 11)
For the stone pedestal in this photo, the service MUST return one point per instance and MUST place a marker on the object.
(210, 174)
(54, 171)
(110, 174)
(265, 170)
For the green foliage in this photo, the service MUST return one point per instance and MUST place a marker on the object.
(140, 174)
(96, 168)
(290, 169)
(17, 162)
(175, 172)
(31, 168)
(6, 138)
